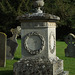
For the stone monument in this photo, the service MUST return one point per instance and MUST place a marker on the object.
(70, 41)
(3, 40)
(12, 43)
(38, 36)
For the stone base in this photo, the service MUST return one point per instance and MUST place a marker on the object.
(64, 73)
(39, 67)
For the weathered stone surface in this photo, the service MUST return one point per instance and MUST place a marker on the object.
(64, 73)
(3, 40)
(57, 67)
(32, 67)
(12, 43)
(38, 16)
(39, 66)
(70, 41)
(43, 47)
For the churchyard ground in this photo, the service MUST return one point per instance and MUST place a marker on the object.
(69, 63)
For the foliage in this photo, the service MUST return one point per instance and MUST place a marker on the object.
(68, 61)
(65, 9)
(8, 70)
(10, 9)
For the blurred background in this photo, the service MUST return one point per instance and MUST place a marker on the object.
(65, 9)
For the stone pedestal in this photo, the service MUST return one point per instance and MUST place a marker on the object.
(39, 50)
(38, 37)
(39, 66)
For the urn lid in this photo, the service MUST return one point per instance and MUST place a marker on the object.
(38, 15)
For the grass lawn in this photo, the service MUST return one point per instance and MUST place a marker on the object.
(69, 63)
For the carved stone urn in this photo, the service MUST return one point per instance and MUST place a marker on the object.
(39, 4)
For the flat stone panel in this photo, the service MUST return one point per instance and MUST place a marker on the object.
(41, 37)
(3, 39)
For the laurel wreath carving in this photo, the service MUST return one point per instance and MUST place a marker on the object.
(34, 52)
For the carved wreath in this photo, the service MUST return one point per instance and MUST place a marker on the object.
(52, 50)
(34, 52)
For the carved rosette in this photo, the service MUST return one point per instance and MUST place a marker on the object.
(52, 42)
(34, 43)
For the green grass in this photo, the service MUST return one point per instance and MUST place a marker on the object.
(69, 63)
(8, 70)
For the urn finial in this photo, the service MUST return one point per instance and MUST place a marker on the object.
(38, 4)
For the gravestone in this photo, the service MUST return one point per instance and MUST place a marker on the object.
(70, 41)
(3, 40)
(38, 37)
(12, 43)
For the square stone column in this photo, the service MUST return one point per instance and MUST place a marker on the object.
(38, 39)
